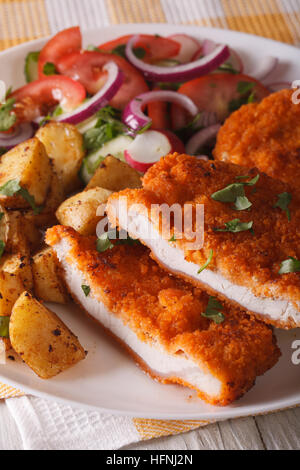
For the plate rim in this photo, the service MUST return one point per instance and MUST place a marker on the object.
(231, 411)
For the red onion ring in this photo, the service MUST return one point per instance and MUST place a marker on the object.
(181, 72)
(134, 117)
(99, 100)
(23, 132)
(208, 46)
(201, 138)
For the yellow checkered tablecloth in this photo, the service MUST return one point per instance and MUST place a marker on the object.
(24, 20)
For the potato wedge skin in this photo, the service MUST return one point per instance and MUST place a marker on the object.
(115, 175)
(28, 162)
(11, 287)
(43, 341)
(47, 277)
(4, 224)
(79, 211)
(64, 146)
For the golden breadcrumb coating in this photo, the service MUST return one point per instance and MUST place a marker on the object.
(249, 258)
(161, 308)
(265, 135)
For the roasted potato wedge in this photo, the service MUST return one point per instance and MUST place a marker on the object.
(12, 279)
(54, 198)
(47, 278)
(4, 224)
(43, 341)
(29, 164)
(64, 145)
(18, 229)
(115, 175)
(80, 211)
(18, 265)
(6, 344)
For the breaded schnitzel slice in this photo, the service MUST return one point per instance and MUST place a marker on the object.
(265, 135)
(159, 320)
(243, 266)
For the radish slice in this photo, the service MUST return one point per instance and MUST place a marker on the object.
(134, 117)
(201, 138)
(234, 59)
(148, 148)
(273, 87)
(189, 47)
(265, 68)
(182, 72)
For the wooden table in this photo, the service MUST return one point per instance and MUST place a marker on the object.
(278, 431)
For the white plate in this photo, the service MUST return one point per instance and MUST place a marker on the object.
(108, 380)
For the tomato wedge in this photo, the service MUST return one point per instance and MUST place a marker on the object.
(156, 47)
(86, 67)
(220, 93)
(38, 97)
(63, 43)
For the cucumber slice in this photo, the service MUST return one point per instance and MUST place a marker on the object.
(114, 147)
(87, 124)
(31, 66)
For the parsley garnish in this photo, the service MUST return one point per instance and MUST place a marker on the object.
(7, 118)
(139, 52)
(210, 257)
(214, 311)
(2, 151)
(283, 202)
(4, 327)
(91, 47)
(244, 89)
(173, 238)
(290, 265)
(103, 242)
(49, 69)
(235, 192)
(13, 187)
(86, 289)
(227, 67)
(108, 126)
(235, 226)
(144, 128)
(2, 246)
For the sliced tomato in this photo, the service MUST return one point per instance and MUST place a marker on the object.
(63, 43)
(86, 67)
(218, 93)
(38, 97)
(159, 115)
(156, 47)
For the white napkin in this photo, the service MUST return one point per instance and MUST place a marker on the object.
(47, 425)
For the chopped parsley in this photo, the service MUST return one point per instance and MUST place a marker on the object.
(246, 92)
(2, 248)
(290, 265)
(2, 151)
(86, 289)
(103, 243)
(4, 327)
(13, 187)
(173, 238)
(228, 67)
(235, 192)
(139, 52)
(49, 69)
(214, 311)
(7, 117)
(108, 126)
(144, 128)
(283, 202)
(235, 226)
(210, 257)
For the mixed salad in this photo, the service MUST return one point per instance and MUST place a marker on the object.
(138, 97)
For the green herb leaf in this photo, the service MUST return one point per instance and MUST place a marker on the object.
(57, 111)
(244, 87)
(283, 202)
(144, 128)
(7, 117)
(108, 126)
(235, 226)
(227, 67)
(13, 187)
(91, 47)
(49, 69)
(290, 265)
(210, 257)
(4, 327)
(103, 243)
(214, 311)
(252, 182)
(2, 247)
(242, 203)
(139, 52)
(2, 151)
(86, 289)
(230, 193)
(173, 238)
